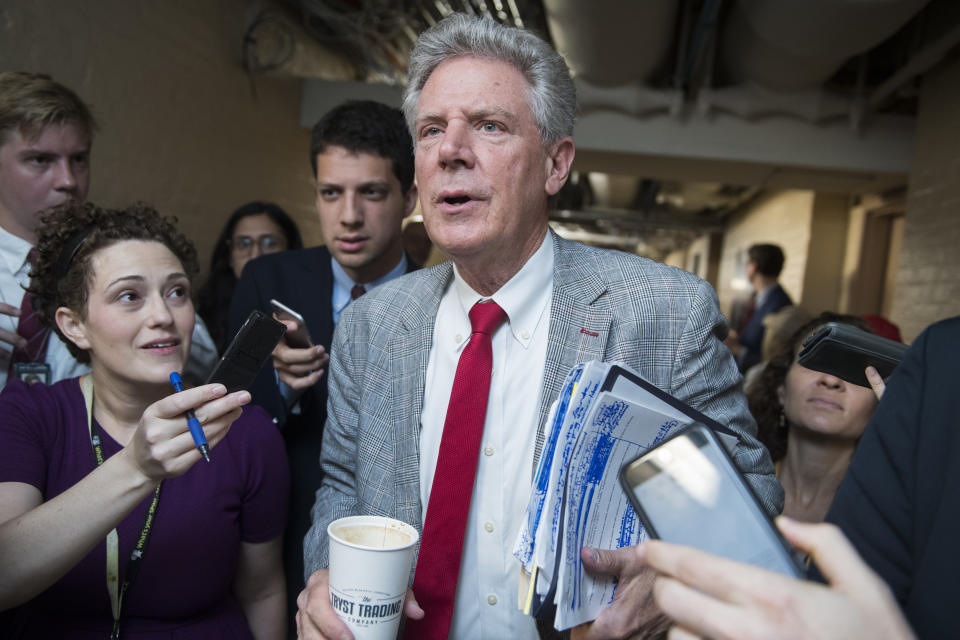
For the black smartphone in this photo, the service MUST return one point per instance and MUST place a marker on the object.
(845, 351)
(247, 352)
(300, 338)
(688, 491)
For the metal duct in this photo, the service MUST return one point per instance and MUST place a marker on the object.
(611, 42)
(790, 45)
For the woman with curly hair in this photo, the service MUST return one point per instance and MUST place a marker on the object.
(253, 230)
(107, 524)
(810, 421)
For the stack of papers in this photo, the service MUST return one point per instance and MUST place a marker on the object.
(605, 416)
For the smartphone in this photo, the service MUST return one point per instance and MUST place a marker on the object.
(688, 491)
(845, 351)
(299, 339)
(247, 352)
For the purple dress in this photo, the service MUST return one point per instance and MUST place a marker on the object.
(183, 588)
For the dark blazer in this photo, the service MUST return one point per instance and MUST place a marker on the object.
(899, 502)
(752, 335)
(303, 281)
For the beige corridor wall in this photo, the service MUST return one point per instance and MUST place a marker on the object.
(928, 281)
(179, 126)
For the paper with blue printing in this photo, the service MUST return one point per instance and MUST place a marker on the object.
(576, 499)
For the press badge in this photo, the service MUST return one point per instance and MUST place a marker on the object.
(32, 372)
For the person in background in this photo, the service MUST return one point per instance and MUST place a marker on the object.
(811, 423)
(46, 134)
(100, 471)
(254, 229)
(362, 158)
(765, 262)
(421, 426)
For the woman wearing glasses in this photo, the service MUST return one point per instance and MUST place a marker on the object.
(255, 229)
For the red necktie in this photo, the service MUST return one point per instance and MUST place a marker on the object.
(30, 328)
(441, 546)
(357, 291)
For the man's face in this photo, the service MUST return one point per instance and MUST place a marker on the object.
(39, 173)
(481, 167)
(361, 204)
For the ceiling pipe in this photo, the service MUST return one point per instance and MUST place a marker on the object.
(791, 45)
(611, 42)
(920, 63)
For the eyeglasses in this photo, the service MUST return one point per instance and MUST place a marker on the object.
(268, 244)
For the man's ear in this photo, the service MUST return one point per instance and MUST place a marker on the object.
(410, 200)
(559, 161)
(72, 327)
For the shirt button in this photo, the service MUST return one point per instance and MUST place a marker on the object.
(525, 335)
(491, 599)
(488, 450)
(488, 526)
(458, 338)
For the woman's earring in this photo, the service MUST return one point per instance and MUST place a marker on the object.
(783, 420)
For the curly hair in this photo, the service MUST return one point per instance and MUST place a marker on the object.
(762, 397)
(72, 233)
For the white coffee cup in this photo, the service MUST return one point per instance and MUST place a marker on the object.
(370, 560)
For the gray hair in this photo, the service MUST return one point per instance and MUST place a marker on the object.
(552, 95)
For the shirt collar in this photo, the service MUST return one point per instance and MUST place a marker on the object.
(13, 250)
(764, 293)
(341, 278)
(524, 297)
(342, 283)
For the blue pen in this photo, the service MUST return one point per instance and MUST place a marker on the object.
(195, 429)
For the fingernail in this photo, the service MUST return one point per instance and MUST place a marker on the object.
(594, 554)
(244, 396)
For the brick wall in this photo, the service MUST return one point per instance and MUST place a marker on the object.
(179, 126)
(927, 285)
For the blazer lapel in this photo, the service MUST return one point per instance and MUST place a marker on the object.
(410, 352)
(579, 323)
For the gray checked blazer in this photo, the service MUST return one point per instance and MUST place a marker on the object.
(606, 305)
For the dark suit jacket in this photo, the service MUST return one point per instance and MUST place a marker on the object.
(899, 502)
(752, 335)
(302, 280)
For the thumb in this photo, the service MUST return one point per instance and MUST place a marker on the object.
(411, 607)
(606, 562)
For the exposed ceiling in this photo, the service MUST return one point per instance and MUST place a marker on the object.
(841, 74)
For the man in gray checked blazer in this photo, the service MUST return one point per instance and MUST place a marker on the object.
(491, 111)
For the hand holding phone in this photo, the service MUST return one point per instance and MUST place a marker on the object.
(688, 491)
(247, 352)
(298, 363)
(299, 338)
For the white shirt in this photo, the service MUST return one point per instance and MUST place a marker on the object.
(486, 601)
(15, 275)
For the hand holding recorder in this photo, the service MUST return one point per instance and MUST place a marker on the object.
(298, 362)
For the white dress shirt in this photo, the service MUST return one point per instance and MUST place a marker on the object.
(15, 275)
(486, 600)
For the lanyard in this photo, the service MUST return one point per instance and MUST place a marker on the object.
(114, 588)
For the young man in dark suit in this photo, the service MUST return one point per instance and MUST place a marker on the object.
(763, 270)
(362, 158)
